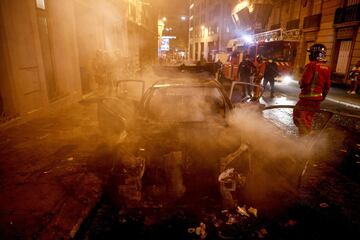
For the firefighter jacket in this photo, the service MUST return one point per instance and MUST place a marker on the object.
(315, 82)
(260, 70)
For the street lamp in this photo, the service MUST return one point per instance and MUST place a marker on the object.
(183, 18)
(164, 19)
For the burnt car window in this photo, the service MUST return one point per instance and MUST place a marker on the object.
(186, 104)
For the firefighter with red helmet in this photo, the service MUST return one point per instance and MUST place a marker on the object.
(314, 85)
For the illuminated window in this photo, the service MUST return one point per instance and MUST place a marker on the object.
(40, 4)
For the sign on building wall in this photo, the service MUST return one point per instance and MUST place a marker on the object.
(165, 42)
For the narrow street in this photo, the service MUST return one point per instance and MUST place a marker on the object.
(135, 119)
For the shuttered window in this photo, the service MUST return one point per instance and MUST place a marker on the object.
(344, 56)
(352, 2)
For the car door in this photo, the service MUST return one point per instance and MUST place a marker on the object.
(115, 113)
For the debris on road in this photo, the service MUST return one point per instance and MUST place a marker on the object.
(199, 231)
(262, 233)
(290, 223)
(242, 211)
(324, 205)
(252, 211)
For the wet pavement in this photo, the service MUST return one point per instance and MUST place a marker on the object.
(46, 186)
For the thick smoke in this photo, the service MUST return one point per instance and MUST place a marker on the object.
(212, 133)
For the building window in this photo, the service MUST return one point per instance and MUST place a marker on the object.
(352, 2)
(40, 4)
(343, 57)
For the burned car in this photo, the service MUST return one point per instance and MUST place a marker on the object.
(168, 139)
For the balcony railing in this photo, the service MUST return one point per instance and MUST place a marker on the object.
(278, 35)
(312, 21)
(293, 24)
(347, 14)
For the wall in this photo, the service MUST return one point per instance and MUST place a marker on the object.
(7, 101)
(327, 32)
(24, 55)
(99, 25)
(26, 70)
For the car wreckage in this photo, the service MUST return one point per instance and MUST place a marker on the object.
(170, 141)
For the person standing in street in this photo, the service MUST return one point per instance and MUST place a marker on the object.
(314, 85)
(354, 77)
(246, 68)
(218, 69)
(271, 71)
(259, 75)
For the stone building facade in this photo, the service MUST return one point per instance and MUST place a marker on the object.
(210, 28)
(47, 48)
(334, 23)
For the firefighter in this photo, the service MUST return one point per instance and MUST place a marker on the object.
(259, 75)
(314, 85)
(271, 71)
(245, 70)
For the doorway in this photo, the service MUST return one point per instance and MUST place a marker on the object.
(47, 53)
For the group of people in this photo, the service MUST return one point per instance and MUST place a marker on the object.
(314, 84)
(266, 70)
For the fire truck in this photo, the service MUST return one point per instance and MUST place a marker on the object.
(279, 45)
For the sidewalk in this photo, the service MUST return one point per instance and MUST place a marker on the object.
(47, 186)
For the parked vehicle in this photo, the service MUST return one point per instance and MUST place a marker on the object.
(278, 45)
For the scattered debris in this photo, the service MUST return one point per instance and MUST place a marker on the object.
(253, 211)
(357, 155)
(200, 230)
(242, 211)
(290, 223)
(217, 222)
(70, 158)
(231, 219)
(324, 205)
(343, 150)
(262, 233)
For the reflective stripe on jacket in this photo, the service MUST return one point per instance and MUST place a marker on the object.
(315, 82)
